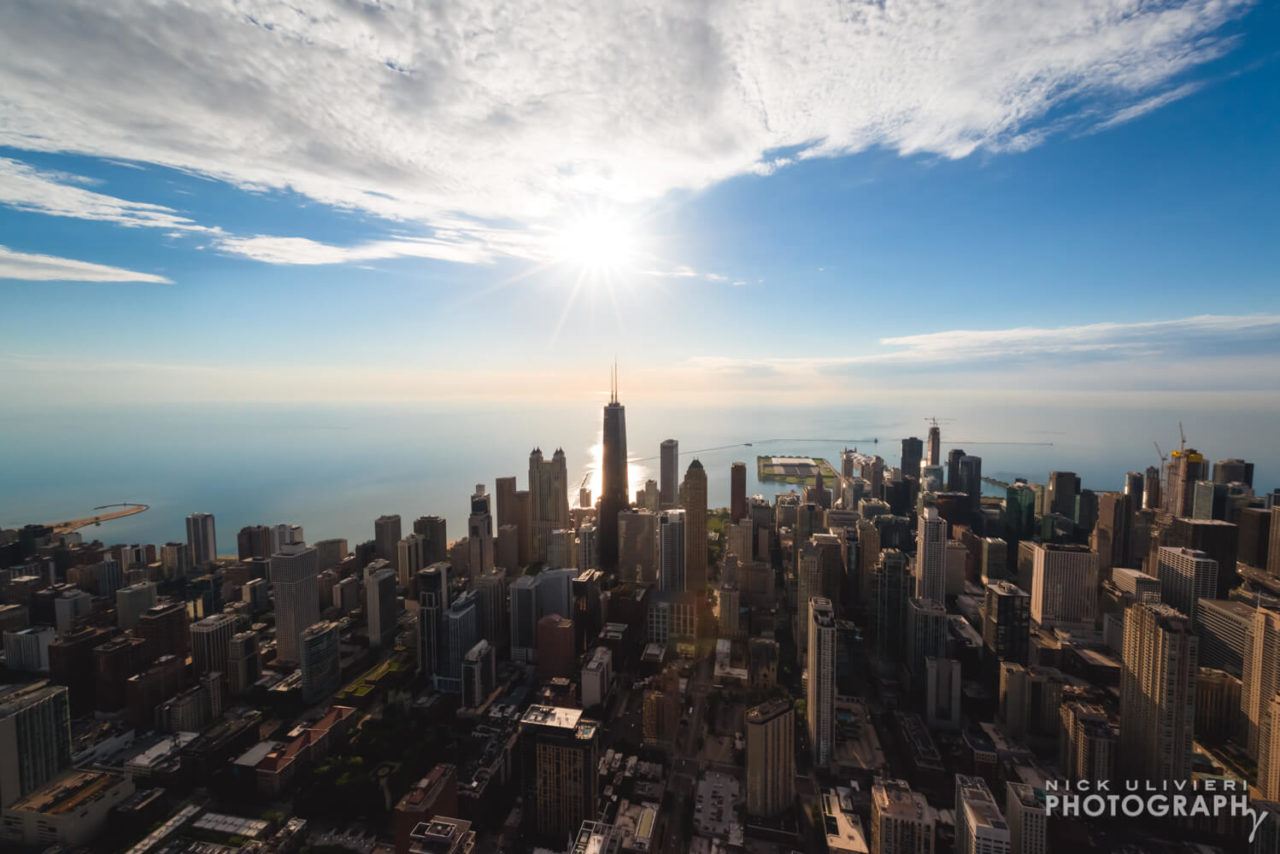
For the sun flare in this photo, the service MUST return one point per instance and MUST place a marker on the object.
(598, 244)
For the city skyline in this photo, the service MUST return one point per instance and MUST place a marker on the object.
(945, 517)
(1107, 185)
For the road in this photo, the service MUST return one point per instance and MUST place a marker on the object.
(70, 525)
(685, 764)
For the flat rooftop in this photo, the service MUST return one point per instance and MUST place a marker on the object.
(68, 793)
(552, 716)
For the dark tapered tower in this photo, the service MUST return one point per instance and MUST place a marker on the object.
(614, 489)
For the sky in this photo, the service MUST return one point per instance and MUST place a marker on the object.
(741, 202)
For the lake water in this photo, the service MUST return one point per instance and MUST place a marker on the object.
(335, 469)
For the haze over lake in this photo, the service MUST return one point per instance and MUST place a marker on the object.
(335, 469)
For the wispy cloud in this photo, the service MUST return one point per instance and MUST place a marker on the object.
(1157, 342)
(486, 112)
(1148, 105)
(301, 251)
(684, 271)
(49, 268)
(25, 188)
(1128, 339)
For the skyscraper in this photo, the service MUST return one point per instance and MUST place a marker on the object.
(912, 454)
(380, 603)
(969, 472)
(669, 473)
(1111, 535)
(211, 644)
(1006, 622)
(1157, 692)
(202, 539)
(548, 499)
(931, 544)
(319, 662)
(1064, 585)
(244, 663)
(671, 551)
(693, 497)
(935, 446)
(1185, 467)
(461, 632)
(1151, 493)
(771, 761)
(1261, 682)
(1061, 493)
(386, 533)
(411, 556)
(480, 531)
(902, 822)
(737, 492)
(558, 752)
(1186, 576)
(1027, 813)
(1216, 538)
(504, 490)
(637, 546)
(35, 737)
(1234, 470)
(253, 541)
(821, 679)
(133, 601)
(294, 571)
(980, 827)
(433, 599)
(891, 582)
(954, 456)
(614, 491)
(434, 533)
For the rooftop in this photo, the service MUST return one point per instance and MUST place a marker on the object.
(895, 799)
(68, 793)
(552, 716)
(841, 824)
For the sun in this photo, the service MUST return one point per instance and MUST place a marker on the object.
(597, 243)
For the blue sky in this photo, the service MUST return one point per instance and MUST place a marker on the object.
(356, 203)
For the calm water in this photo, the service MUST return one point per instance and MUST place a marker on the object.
(333, 470)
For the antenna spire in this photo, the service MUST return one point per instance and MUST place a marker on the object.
(613, 382)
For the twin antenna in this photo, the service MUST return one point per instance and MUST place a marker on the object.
(613, 383)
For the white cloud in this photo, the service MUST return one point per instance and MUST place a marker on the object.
(1206, 334)
(49, 268)
(1147, 105)
(489, 112)
(1113, 339)
(26, 188)
(300, 250)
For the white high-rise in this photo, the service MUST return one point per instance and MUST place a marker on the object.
(202, 539)
(1064, 585)
(1186, 576)
(132, 601)
(1028, 819)
(294, 571)
(1157, 692)
(820, 676)
(1261, 683)
(931, 547)
(980, 827)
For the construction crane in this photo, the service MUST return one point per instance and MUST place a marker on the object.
(1161, 454)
